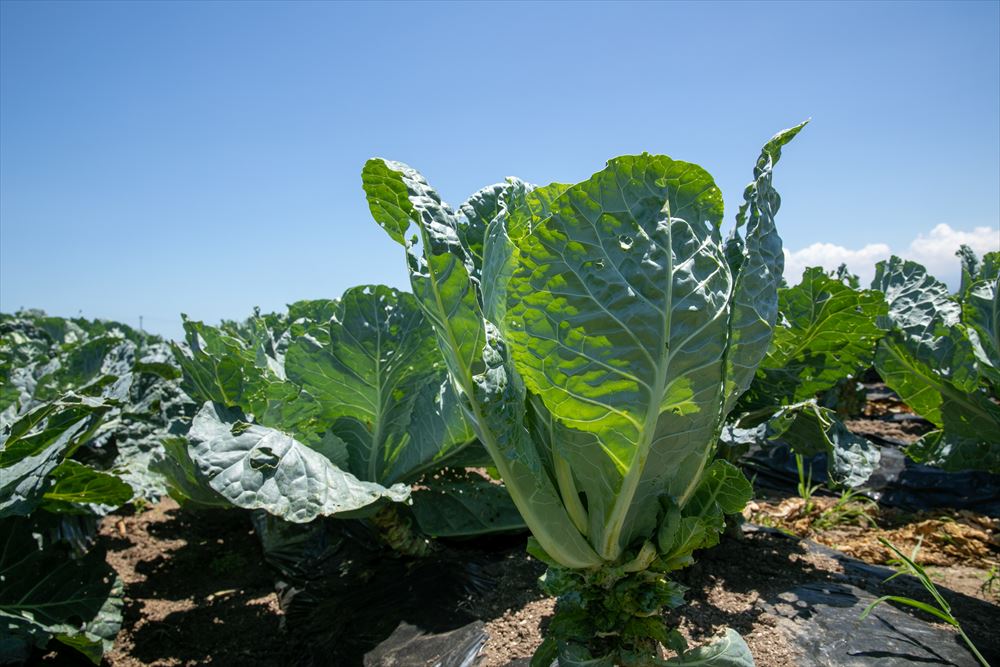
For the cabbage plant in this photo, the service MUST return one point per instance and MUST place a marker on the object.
(598, 335)
(336, 410)
(825, 337)
(83, 408)
(942, 356)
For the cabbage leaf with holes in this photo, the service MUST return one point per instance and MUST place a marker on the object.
(599, 334)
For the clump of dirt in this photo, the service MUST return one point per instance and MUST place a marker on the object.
(942, 538)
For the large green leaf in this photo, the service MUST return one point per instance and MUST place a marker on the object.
(256, 467)
(981, 312)
(440, 267)
(239, 371)
(314, 310)
(955, 451)
(46, 594)
(183, 481)
(757, 264)
(381, 367)
(829, 331)
(723, 490)
(441, 276)
(617, 317)
(75, 484)
(37, 443)
(729, 650)
(84, 363)
(724, 486)
(971, 421)
(136, 377)
(929, 359)
(809, 429)
(219, 367)
(926, 321)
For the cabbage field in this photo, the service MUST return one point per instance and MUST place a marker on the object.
(595, 431)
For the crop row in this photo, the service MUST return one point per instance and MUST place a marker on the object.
(586, 361)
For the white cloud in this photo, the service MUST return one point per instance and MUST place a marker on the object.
(830, 256)
(935, 250)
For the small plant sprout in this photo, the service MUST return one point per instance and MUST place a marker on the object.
(851, 507)
(806, 488)
(907, 565)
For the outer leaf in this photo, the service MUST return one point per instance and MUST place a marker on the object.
(260, 468)
(981, 312)
(184, 483)
(809, 429)
(723, 490)
(829, 332)
(440, 269)
(44, 593)
(735, 441)
(37, 443)
(970, 420)
(931, 362)
(757, 265)
(135, 456)
(724, 486)
(440, 434)
(225, 368)
(76, 484)
(316, 310)
(218, 367)
(86, 363)
(926, 322)
(728, 651)
(922, 387)
(953, 451)
(380, 360)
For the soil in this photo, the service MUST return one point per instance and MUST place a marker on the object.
(198, 592)
(905, 431)
(885, 416)
(944, 538)
(724, 592)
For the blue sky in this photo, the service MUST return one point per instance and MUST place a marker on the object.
(205, 158)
